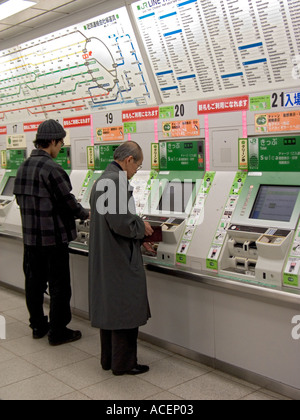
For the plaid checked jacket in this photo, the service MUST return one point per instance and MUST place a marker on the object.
(48, 209)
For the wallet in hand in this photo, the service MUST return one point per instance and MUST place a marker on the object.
(156, 235)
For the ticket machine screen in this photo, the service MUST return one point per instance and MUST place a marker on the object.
(176, 196)
(9, 187)
(275, 202)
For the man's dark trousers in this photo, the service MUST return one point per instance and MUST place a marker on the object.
(43, 266)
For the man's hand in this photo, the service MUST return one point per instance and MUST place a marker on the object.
(149, 247)
(148, 229)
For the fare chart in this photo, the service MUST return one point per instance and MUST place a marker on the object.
(93, 65)
(208, 48)
(197, 49)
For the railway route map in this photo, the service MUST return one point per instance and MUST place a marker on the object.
(94, 65)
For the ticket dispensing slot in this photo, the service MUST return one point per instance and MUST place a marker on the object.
(171, 229)
(272, 250)
(242, 255)
(258, 255)
(83, 229)
(242, 265)
(242, 247)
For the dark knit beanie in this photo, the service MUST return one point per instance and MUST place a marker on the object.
(50, 130)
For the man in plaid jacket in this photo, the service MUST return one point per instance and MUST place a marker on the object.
(48, 211)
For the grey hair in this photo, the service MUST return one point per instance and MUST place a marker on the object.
(130, 148)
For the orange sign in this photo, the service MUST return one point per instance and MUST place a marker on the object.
(277, 121)
(189, 128)
(110, 133)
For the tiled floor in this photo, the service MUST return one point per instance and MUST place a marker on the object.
(31, 369)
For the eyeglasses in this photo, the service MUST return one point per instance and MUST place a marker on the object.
(135, 162)
(62, 143)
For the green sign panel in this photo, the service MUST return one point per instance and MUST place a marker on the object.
(104, 154)
(260, 103)
(275, 154)
(290, 280)
(182, 156)
(64, 158)
(166, 112)
(130, 128)
(243, 154)
(15, 158)
(238, 183)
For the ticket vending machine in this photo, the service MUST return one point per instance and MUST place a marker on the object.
(98, 157)
(6, 194)
(173, 196)
(170, 204)
(64, 159)
(262, 229)
(203, 237)
(81, 243)
(76, 176)
(10, 218)
(261, 240)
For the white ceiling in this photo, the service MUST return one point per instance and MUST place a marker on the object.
(44, 12)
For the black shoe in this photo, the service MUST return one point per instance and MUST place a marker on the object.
(38, 333)
(66, 336)
(137, 370)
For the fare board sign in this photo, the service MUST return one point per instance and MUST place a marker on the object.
(182, 156)
(280, 154)
(103, 155)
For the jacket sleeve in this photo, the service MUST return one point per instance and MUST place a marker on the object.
(61, 189)
(129, 226)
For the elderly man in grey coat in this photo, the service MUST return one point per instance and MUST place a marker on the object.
(117, 281)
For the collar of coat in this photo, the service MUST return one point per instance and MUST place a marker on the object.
(40, 152)
(114, 163)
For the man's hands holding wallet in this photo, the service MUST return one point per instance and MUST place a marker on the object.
(152, 234)
(148, 229)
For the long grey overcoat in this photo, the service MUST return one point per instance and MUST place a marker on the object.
(117, 281)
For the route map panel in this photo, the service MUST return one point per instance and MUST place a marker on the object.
(200, 49)
(94, 65)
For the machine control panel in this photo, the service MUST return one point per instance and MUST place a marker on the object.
(159, 220)
(256, 229)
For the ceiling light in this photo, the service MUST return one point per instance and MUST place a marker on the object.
(11, 7)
